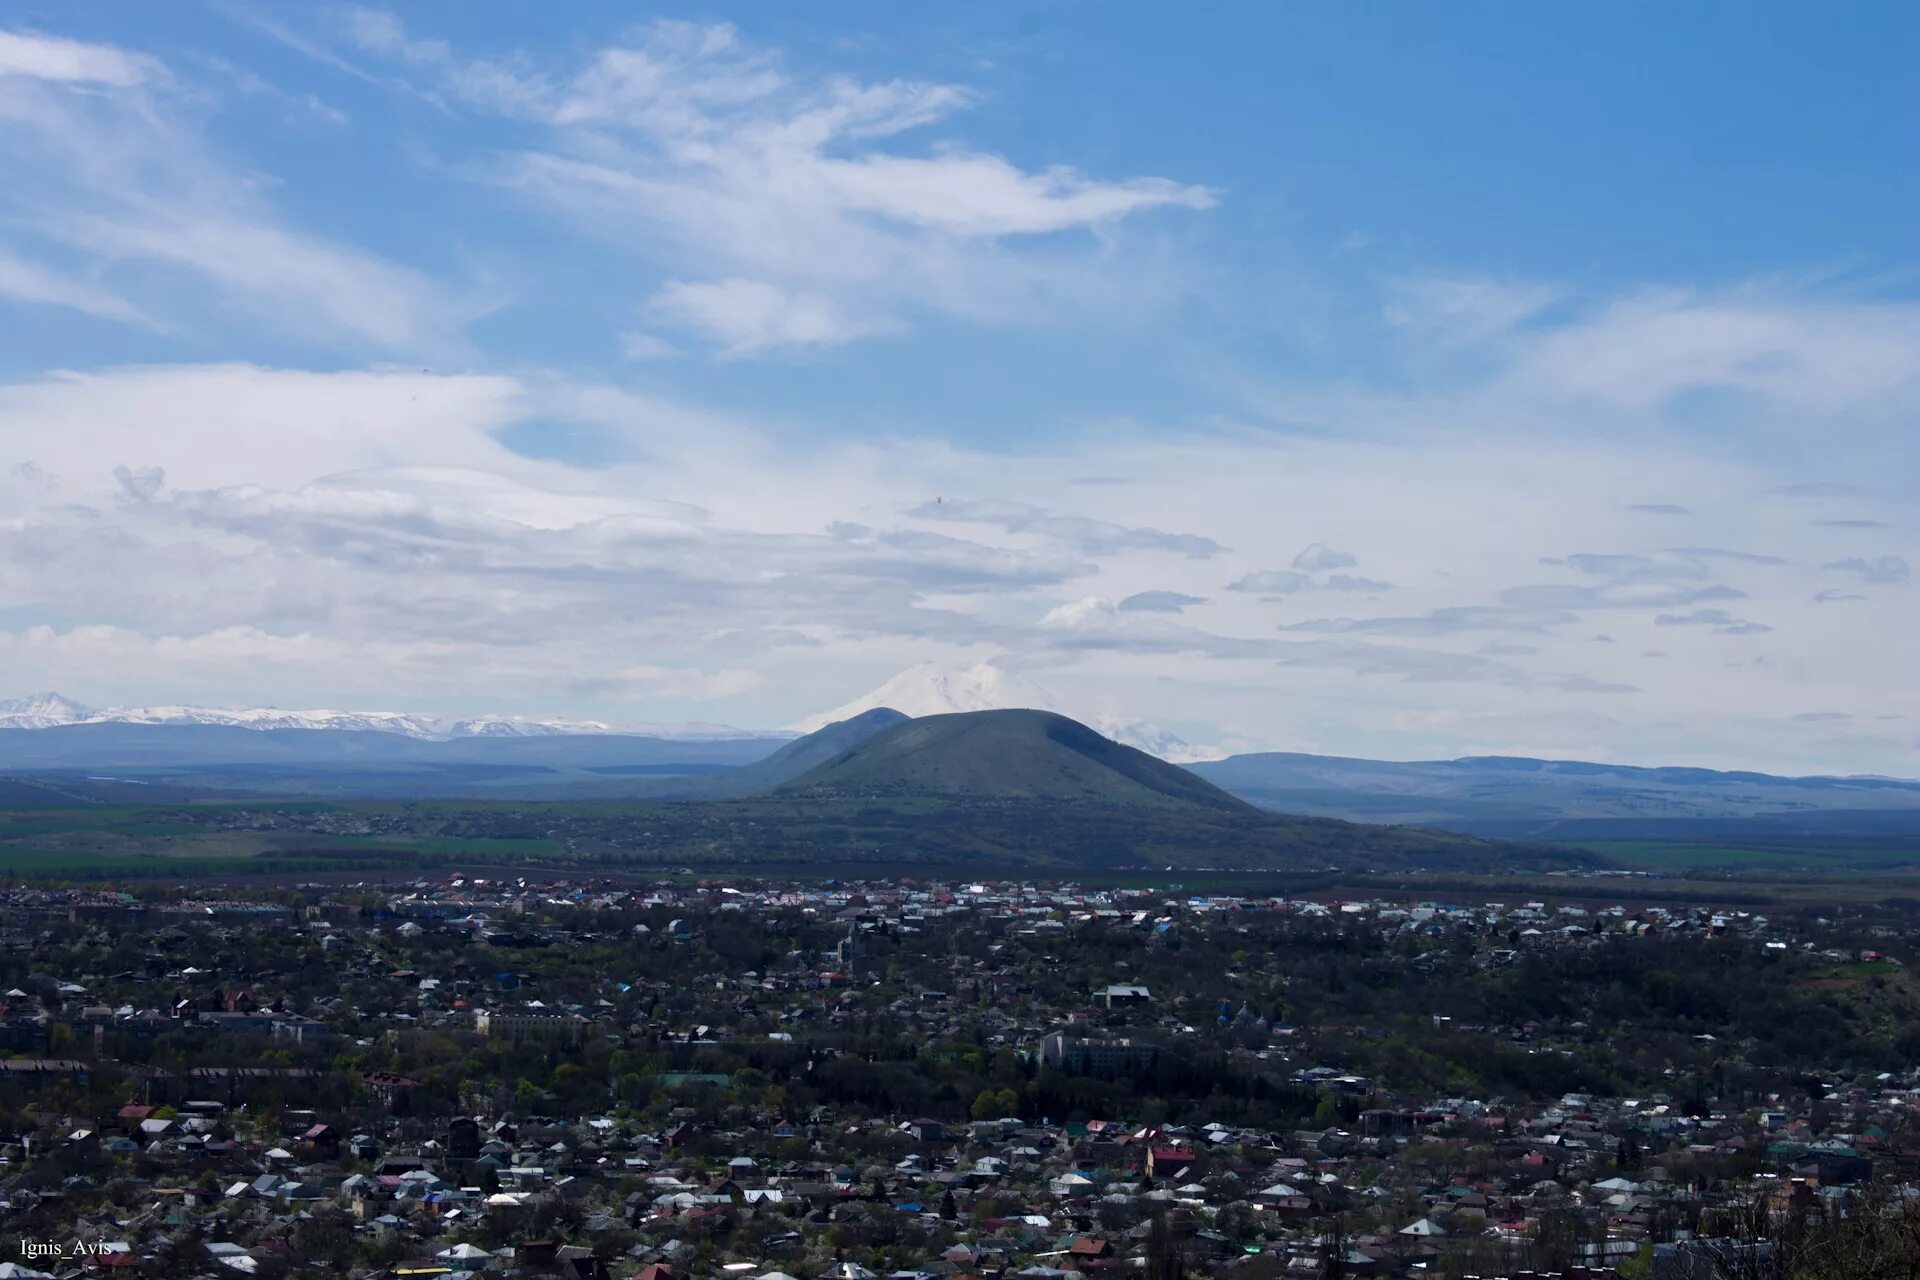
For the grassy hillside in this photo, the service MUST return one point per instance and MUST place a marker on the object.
(1025, 755)
(793, 760)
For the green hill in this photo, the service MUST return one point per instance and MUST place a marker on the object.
(1011, 755)
(796, 758)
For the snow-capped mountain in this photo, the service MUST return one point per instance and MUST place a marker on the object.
(1145, 736)
(50, 710)
(931, 690)
(266, 718)
(40, 711)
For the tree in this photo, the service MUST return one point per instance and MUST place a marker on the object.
(1163, 1260)
(992, 1104)
(1333, 1248)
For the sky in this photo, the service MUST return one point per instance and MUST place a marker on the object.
(1395, 381)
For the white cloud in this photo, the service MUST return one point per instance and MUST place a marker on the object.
(1353, 582)
(43, 57)
(1318, 556)
(975, 195)
(110, 171)
(1090, 537)
(647, 346)
(1459, 311)
(1159, 602)
(217, 664)
(793, 195)
(748, 316)
(372, 527)
(27, 281)
(1641, 350)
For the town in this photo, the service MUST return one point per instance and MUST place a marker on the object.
(677, 1079)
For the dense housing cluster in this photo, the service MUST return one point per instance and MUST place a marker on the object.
(681, 1079)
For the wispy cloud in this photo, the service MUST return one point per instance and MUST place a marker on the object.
(1463, 311)
(1092, 537)
(1319, 557)
(1270, 582)
(1878, 569)
(37, 56)
(1159, 602)
(26, 281)
(1722, 622)
(1642, 350)
(818, 223)
(745, 317)
(110, 171)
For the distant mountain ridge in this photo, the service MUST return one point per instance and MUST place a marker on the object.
(253, 751)
(1511, 795)
(185, 749)
(51, 710)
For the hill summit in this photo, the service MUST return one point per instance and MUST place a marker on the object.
(1010, 754)
(932, 689)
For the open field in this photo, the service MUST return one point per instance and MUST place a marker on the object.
(1819, 855)
(276, 840)
(896, 832)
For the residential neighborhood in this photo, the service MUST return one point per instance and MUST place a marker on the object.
(693, 1079)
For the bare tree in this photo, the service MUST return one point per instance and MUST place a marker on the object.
(1763, 1235)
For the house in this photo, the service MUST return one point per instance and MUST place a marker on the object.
(1168, 1162)
(323, 1141)
(1284, 1198)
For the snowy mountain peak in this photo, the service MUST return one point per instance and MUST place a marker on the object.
(521, 727)
(50, 710)
(1152, 739)
(272, 718)
(40, 711)
(931, 689)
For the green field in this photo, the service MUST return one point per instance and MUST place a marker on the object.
(892, 834)
(111, 842)
(1819, 857)
(799, 838)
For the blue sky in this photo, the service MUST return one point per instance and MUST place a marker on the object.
(462, 359)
